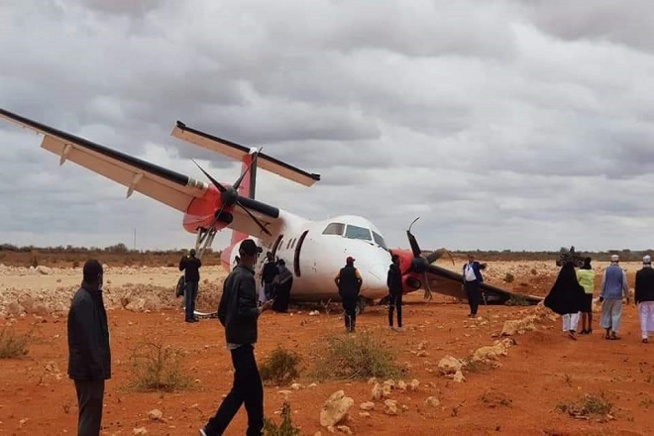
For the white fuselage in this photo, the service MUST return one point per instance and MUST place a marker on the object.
(316, 259)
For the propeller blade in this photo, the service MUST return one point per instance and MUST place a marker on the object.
(242, 176)
(215, 182)
(427, 295)
(415, 248)
(261, 226)
(432, 257)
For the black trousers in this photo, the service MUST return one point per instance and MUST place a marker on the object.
(247, 389)
(90, 395)
(474, 295)
(350, 307)
(395, 302)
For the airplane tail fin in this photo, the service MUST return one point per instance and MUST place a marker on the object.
(248, 186)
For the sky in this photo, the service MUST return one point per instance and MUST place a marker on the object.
(520, 125)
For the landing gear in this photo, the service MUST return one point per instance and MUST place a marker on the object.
(203, 240)
(362, 302)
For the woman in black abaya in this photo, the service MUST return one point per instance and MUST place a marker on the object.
(567, 298)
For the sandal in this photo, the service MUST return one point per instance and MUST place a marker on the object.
(571, 335)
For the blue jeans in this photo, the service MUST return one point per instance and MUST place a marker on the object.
(190, 294)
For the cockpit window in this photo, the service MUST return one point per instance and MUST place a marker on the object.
(334, 229)
(356, 232)
(379, 240)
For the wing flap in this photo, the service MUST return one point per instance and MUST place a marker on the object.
(135, 179)
(450, 283)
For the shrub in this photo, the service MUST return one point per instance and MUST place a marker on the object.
(509, 278)
(281, 367)
(285, 429)
(157, 368)
(356, 357)
(517, 300)
(590, 405)
(13, 344)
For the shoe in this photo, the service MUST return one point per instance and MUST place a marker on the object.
(583, 332)
(571, 335)
(203, 432)
(390, 327)
(191, 320)
(645, 341)
(399, 329)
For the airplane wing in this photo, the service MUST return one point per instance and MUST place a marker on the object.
(171, 188)
(448, 282)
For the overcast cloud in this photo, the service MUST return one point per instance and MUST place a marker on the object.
(504, 125)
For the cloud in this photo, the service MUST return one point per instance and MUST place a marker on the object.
(522, 125)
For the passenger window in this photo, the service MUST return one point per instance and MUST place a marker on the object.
(334, 229)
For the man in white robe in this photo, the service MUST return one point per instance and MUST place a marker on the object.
(644, 297)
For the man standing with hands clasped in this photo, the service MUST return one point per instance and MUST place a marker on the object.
(89, 355)
(238, 313)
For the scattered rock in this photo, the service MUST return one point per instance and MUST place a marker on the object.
(155, 415)
(376, 392)
(335, 409)
(368, 405)
(390, 407)
(449, 365)
(344, 429)
(140, 430)
(432, 402)
(414, 385)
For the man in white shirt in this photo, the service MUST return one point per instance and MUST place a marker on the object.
(472, 278)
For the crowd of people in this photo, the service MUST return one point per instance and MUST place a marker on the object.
(571, 297)
(241, 304)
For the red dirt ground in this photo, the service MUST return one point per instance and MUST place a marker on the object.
(543, 370)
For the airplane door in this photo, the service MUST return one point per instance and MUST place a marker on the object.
(296, 257)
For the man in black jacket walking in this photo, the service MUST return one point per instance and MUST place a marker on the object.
(191, 267)
(349, 283)
(238, 313)
(394, 283)
(644, 297)
(89, 354)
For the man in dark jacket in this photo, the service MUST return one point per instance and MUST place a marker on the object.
(349, 283)
(394, 283)
(191, 267)
(89, 355)
(472, 278)
(268, 277)
(644, 297)
(238, 312)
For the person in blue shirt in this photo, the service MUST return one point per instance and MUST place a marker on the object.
(614, 289)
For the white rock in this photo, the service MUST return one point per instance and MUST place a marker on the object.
(155, 415)
(414, 385)
(344, 429)
(140, 430)
(432, 402)
(376, 392)
(390, 407)
(449, 365)
(368, 405)
(335, 409)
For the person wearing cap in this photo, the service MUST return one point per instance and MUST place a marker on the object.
(89, 353)
(472, 278)
(191, 267)
(614, 288)
(586, 278)
(394, 283)
(349, 283)
(644, 297)
(239, 312)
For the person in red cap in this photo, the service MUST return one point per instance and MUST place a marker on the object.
(349, 283)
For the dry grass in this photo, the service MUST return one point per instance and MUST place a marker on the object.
(356, 357)
(589, 406)
(281, 367)
(286, 428)
(13, 344)
(157, 368)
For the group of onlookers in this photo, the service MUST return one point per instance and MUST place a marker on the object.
(572, 296)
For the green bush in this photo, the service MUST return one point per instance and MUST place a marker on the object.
(285, 429)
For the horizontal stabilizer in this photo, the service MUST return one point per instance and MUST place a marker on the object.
(238, 152)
